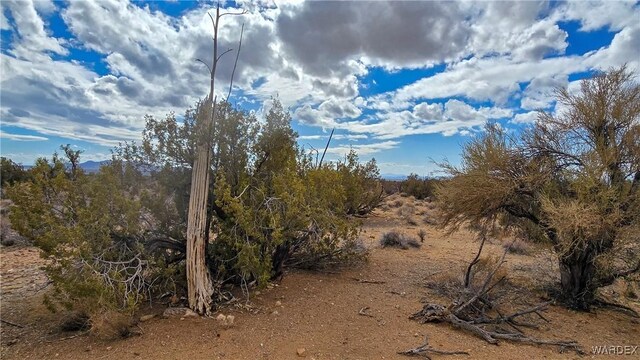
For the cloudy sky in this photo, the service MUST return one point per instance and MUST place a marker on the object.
(404, 82)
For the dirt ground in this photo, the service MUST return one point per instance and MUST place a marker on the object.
(318, 312)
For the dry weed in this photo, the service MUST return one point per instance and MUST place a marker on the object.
(398, 240)
(110, 325)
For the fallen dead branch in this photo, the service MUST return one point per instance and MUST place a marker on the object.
(365, 281)
(68, 337)
(615, 306)
(11, 323)
(477, 310)
(425, 350)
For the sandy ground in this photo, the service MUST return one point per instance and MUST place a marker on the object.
(318, 312)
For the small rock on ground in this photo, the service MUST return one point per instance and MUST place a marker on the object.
(179, 311)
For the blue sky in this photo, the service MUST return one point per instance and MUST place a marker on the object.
(404, 82)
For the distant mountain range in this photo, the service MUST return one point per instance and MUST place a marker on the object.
(93, 166)
(87, 166)
(393, 177)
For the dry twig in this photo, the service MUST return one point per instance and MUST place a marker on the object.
(363, 312)
(11, 323)
(365, 281)
(425, 349)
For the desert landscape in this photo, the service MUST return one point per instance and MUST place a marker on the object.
(360, 313)
(319, 179)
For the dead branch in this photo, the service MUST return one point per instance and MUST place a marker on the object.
(235, 64)
(223, 54)
(205, 64)
(365, 281)
(425, 349)
(467, 274)
(614, 306)
(476, 310)
(68, 337)
(326, 147)
(11, 323)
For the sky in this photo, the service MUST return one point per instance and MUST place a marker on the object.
(406, 83)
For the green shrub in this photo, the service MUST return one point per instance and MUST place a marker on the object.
(83, 224)
(420, 188)
(10, 172)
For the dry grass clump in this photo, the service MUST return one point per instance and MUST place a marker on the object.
(430, 220)
(110, 325)
(446, 285)
(105, 325)
(406, 211)
(518, 248)
(431, 205)
(398, 240)
(75, 321)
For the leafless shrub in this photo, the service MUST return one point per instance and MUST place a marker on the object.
(318, 256)
(398, 240)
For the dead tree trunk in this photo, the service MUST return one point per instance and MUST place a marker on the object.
(199, 285)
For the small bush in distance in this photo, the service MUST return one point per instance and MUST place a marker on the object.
(398, 240)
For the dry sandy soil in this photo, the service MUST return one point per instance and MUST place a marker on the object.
(318, 312)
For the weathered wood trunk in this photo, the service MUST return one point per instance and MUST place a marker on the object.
(577, 278)
(199, 285)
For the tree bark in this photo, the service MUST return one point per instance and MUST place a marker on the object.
(199, 285)
(577, 278)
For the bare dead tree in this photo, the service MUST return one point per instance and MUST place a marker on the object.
(199, 282)
(477, 310)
